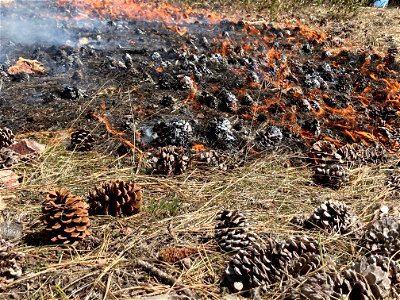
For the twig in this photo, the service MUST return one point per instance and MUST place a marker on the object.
(153, 270)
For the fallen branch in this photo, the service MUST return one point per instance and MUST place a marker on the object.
(159, 274)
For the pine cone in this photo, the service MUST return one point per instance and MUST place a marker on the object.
(212, 159)
(8, 158)
(171, 160)
(333, 176)
(375, 154)
(6, 137)
(258, 266)
(304, 254)
(393, 182)
(333, 216)
(174, 254)
(366, 280)
(232, 231)
(66, 217)
(351, 154)
(392, 52)
(324, 152)
(388, 265)
(81, 140)
(10, 263)
(319, 286)
(116, 198)
(383, 236)
(247, 269)
(355, 154)
(176, 133)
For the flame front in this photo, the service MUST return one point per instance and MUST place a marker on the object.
(137, 11)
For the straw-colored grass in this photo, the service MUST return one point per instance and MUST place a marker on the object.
(178, 211)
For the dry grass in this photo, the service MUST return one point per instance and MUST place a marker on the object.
(178, 211)
(352, 20)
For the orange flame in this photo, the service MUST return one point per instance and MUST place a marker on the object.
(138, 10)
(103, 119)
(224, 50)
(198, 148)
(180, 30)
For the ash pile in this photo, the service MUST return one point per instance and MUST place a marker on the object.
(190, 79)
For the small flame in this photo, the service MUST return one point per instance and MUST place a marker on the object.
(199, 148)
(180, 30)
(103, 119)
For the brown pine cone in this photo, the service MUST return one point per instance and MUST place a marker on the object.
(8, 158)
(171, 160)
(6, 137)
(366, 280)
(383, 236)
(393, 182)
(116, 198)
(322, 285)
(247, 269)
(212, 159)
(232, 231)
(355, 154)
(333, 216)
(324, 152)
(174, 254)
(375, 154)
(66, 217)
(11, 263)
(81, 140)
(333, 176)
(303, 255)
(256, 265)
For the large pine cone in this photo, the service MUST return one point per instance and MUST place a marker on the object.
(367, 279)
(351, 154)
(6, 137)
(322, 285)
(10, 263)
(248, 269)
(116, 198)
(333, 216)
(171, 160)
(256, 265)
(232, 231)
(383, 236)
(8, 158)
(66, 217)
(333, 176)
(81, 140)
(303, 255)
(355, 154)
(324, 152)
(375, 154)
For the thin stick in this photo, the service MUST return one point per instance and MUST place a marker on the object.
(153, 270)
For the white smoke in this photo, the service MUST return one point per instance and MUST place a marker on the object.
(27, 29)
